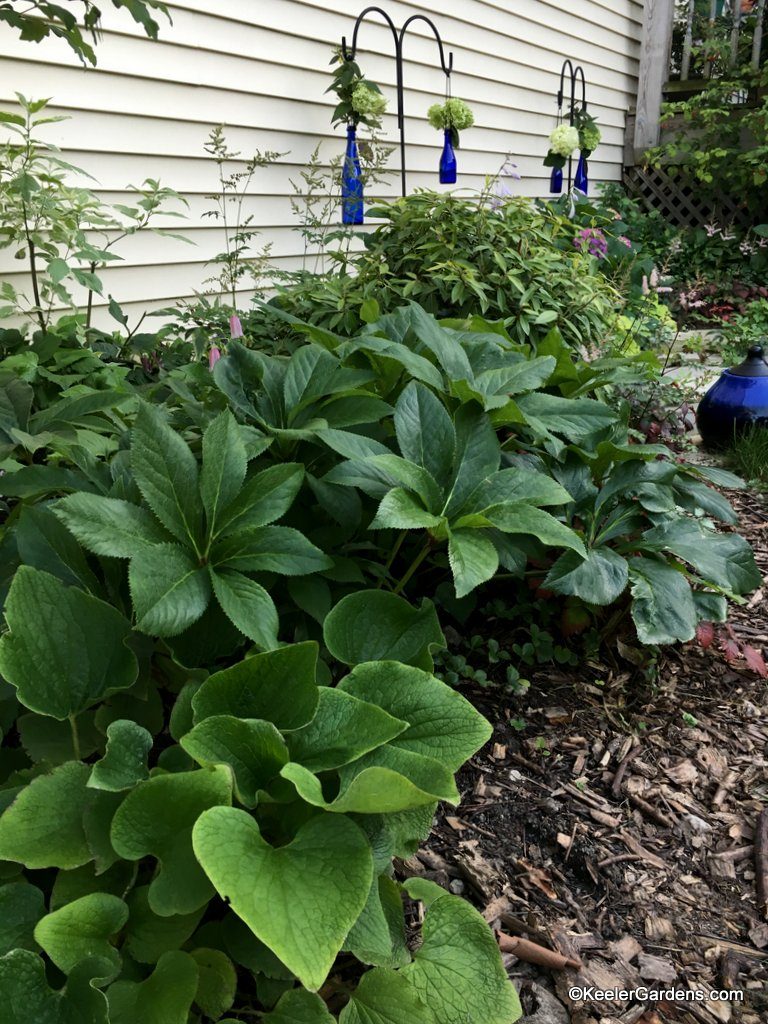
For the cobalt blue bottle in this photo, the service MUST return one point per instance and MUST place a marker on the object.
(556, 181)
(581, 182)
(351, 182)
(448, 161)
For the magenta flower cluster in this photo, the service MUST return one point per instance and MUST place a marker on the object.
(593, 241)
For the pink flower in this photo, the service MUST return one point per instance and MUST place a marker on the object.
(625, 240)
(235, 327)
(214, 356)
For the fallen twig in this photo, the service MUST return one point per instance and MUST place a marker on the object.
(761, 863)
(533, 953)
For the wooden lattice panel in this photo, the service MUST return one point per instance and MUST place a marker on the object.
(678, 202)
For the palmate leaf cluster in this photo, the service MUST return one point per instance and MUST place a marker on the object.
(220, 721)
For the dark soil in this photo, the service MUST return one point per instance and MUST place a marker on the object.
(612, 818)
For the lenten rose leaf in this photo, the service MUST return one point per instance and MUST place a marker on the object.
(278, 686)
(663, 608)
(722, 558)
(169, 589)
(26, 997)
(425, 431)
(599, 579)
(125, 762)
(320, 881)
(279, 549)
(387, 997)
(264, 498)
(150, 935)
(378, 935)
(372, 625)
(477, 455)
(458, 965)
(65, 650)
(247, 605)
(442, 724)
(109, 526)
(298, 1006)
(473, 559)
(21, 907)
(164, 998)
(165, 471)
(399, 510)
(43, 827)
(517, 517)
(217, 981)
(82, 930)
(254, 750)
(224, 465)
(343, 729)
(517, 485)
(156, 819)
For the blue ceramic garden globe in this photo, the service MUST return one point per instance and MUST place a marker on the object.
(739, 399)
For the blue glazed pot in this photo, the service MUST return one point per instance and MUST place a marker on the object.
(351, 182)
(581, 181)
(735, 401)
(556, 181)
(448, 161)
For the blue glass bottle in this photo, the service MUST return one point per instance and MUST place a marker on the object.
(581, 181)
(448, 161)
(556, 181)
(351, 182)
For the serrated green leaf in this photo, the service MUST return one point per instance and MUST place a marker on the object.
(109, 526)
(425, 431)
(320, 881)
(224, 467)
(279, 549)
(473, 559)
(65, 650)
(265, 498)
(156, 819)
(169, 590)
(247, 605)
(599, 579)
(254, 750)
(663, 608)
(722, 558)
(125, 762)
(522, 518)
(278, 686)
(82, 930)
(399, 510)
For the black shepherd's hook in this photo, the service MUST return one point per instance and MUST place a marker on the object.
(398, 38)
(576, 73)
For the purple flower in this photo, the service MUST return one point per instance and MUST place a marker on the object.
(593, 241)
(235, 327)
(214, 356)
(625, 240)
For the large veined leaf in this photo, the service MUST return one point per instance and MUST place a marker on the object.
(277, 686)
(425, 431)
(521, 518)
(441, 723)
(164, 998)
(82, 930)
(43, 827)
(125, 762)
(156, 819)
(224, 465)
(109, 526)
(169, 589)
(457, 971)
(574, 418)
(387, 997)
(601, 578)
(279, 549)
(21, 907)
(722, 558)
(217, 981)
(378, 935)
(372, 625)
(663, 608)
(399, 510)
(343, 729)
(26, 996)
(65, 650)
(477, 456)
(247, 605)
(516, 485)
(473, 559)
(149, 935)
(254, 750)
(166, 472)
(320, 881)
(45, 543)
(297, 1006)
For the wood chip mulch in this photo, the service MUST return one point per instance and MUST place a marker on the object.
(625, 829)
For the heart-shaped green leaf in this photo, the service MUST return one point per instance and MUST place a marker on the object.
(65, 649)
(21, 907)
(164, 998)
(217, 981)
(125, 762)
(378, 935)
(254, 750)
(320, 881)
(372, 625)
(387, 997)
(26, 997)
(156, 819)
(299, 1007)
(149, 935)
(81, 930)
(278, 686)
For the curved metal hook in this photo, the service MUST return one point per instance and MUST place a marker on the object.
(561, 91)
(579, 71)
(447, 69)
(360, 18)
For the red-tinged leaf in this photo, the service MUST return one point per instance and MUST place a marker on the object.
(730, 649)
(755, 661)
(705, 634)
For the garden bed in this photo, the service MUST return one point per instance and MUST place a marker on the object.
(617, 825)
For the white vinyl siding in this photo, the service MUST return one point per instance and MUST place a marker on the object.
(262, 67)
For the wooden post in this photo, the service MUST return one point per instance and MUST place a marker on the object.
(757, 40)
(654, 71)
(735, 31)
(685, 68)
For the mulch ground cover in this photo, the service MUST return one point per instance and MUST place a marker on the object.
(620, 829)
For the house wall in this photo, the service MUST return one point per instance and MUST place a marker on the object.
(261, 67)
